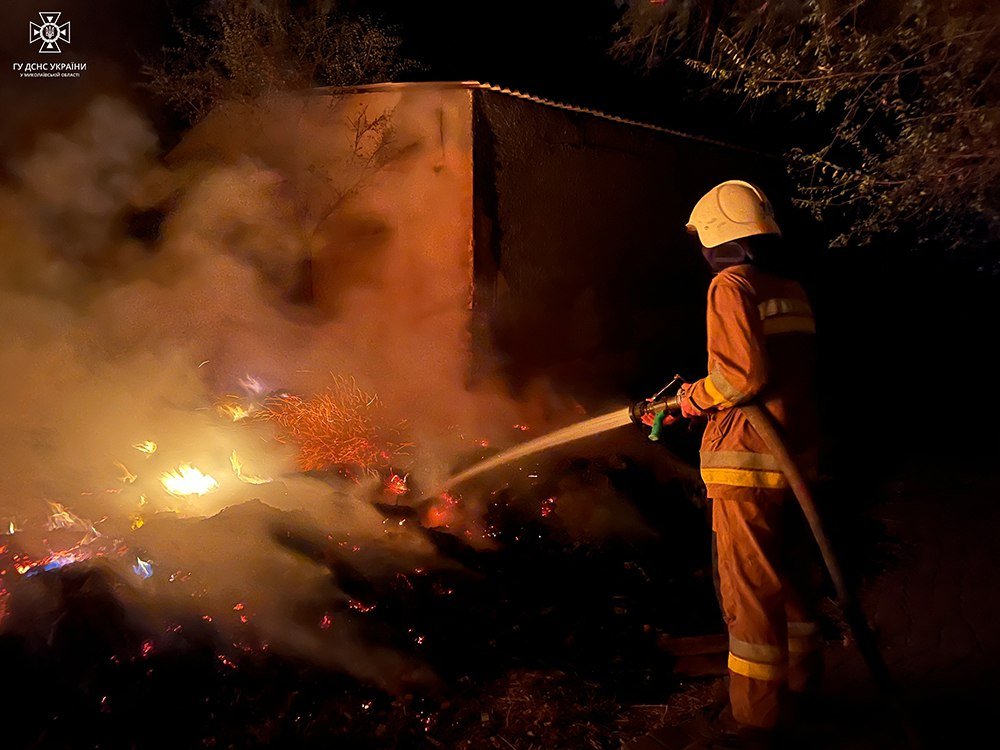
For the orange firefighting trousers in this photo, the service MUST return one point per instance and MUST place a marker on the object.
(768, 579)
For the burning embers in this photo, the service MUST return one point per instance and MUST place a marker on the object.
(335, 429)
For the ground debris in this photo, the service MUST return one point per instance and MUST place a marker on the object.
(526, 709)
(677, 708)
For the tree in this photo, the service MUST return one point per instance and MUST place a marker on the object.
(904, 94)
(242, 49)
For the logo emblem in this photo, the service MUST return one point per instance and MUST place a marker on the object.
(49, 33)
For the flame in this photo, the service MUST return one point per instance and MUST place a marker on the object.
(237, 465)
(187, 480)
(143, 568)
(127, 476)
(61, 518)
(233, 411)
(146, 446)
(335, 428)
(396, 485)
(54, 561)
(442, 511)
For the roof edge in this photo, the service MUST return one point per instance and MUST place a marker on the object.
(477, 85)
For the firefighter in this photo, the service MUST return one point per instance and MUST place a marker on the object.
(760, 348)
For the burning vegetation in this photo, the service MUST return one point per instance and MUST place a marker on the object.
(267, 555)
(336, 428)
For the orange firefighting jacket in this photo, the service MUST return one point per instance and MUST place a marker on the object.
(760, 346)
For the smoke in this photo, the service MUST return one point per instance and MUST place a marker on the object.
(112, 342)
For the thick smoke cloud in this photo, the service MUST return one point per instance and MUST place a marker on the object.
(110, 340)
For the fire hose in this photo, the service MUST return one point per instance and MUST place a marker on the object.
(865, 639)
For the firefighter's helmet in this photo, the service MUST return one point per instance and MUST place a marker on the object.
(731, 211)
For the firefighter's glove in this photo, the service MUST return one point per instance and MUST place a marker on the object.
(689, 408)
(649, 419)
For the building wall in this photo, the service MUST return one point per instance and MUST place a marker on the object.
(585, 273)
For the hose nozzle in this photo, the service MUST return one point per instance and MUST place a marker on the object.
(658, 405)
(669, 405)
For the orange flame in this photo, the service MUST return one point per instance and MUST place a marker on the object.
(443, 511)
(188, 480)
(396, 485)
(234, 411)
(237, 464)
(147, 447)
(127, 476)
(333, 429)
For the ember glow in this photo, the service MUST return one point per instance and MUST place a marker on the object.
(28, 567)
(237, 464)
(127, 477)
(148, 447)
(548, 507)
(396, 485)
(234, 411)
(188, 480)
(333, 429)
(442, 512)
(62, 518)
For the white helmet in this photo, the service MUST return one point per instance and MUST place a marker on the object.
(731, 211)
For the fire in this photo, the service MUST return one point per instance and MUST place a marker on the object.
(53, 561)
(548, 507)
(127, 476)
(237, 465)
(396, 485)
(235, 412)
(142, 568)
(333, 429)
(442, 511)
(62, 518)
(148, 447)
(188, 480)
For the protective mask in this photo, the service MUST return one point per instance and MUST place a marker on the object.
(725, 255)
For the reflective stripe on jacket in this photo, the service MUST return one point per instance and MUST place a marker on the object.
(760, 346)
